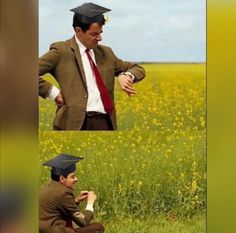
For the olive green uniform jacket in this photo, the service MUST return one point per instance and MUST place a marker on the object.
(64, 62)
(57, 206)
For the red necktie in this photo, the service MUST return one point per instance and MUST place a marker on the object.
(106, 100)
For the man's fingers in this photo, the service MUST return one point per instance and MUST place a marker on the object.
(129, 80)
(130, 91)
(84, 192)
(127, 86)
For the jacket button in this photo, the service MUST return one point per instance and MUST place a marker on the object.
(85, 96)
(83, 109)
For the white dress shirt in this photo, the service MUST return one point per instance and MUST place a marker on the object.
(94, 99)
(89, 207)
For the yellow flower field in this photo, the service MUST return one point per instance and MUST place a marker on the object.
(138, 174)
(155, 166)
(171, 97)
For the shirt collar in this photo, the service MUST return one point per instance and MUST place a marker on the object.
(82, 48)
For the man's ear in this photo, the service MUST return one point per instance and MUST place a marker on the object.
(78, 30)
(61, 179)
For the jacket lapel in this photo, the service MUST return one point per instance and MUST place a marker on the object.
(75, 49)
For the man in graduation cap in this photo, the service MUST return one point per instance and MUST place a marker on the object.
(58, 207)
(85, 73)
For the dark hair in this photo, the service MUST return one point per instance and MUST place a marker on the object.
(84, 26)
(56, 177)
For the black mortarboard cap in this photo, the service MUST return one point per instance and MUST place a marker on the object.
(90, 13)
(63, 164)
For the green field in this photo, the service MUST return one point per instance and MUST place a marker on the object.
(151, 179)
(158, 225)
(172, 96)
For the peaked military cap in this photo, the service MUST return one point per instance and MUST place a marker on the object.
(90, 13)
(63, 164)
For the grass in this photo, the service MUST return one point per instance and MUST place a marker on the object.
(155, 166)
(136, 174)
(157, 225)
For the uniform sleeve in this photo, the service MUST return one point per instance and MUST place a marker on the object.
(72, 210)
(47, 64)
(123, 66)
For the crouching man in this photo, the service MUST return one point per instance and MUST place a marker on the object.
(58, 207)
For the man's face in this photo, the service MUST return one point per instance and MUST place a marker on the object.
(91, 37)
(69, 181)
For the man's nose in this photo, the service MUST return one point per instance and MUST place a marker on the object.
(99, 38)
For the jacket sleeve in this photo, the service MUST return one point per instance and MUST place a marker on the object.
(123, 66)
(47, 64)
(70, 208)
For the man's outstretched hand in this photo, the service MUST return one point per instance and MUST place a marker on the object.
(126, 84)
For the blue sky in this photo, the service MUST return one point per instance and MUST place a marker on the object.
(151, 30)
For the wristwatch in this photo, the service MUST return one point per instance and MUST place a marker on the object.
(129, 74)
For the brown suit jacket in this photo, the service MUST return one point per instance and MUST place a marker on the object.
(64, 62)
(57, 206)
